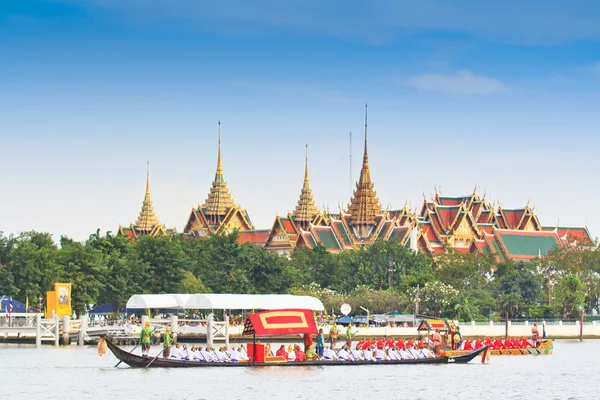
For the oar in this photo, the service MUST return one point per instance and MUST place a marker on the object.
(154, 359)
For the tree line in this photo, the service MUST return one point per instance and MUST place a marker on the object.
(383, 277)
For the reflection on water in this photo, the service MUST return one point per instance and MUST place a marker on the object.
(79, 373)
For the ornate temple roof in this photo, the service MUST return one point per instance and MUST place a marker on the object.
(219, 198)
(306, 208)
(364, 206)
(147, 219)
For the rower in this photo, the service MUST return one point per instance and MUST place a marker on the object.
(415, 352)
(222, 356)
(393, 353)
(405, 354)
(176, 354)
(329, 354)
(205, 356)
(425, 351)
(380, 355)
(368, 354)
(300, 355)
(357, 353)
(343, 354)
(235, 355)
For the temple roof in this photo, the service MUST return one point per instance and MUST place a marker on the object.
(306, 208)
(219, 198)
(364, 206)
(147, 218)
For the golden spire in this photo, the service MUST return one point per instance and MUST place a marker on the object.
(364, 206)
(306, 208)
(147, 219)
(219, 199)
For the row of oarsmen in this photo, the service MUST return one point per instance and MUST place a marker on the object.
(376, 354)
(210, 354)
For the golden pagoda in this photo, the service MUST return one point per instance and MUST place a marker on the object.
(147, 222)
(364, 206)
(306, 209)
(219, 213)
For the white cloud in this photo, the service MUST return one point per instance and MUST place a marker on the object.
(463, 83)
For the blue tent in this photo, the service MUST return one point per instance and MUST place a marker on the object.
(104, 309)
(345, 320)
(17, 305)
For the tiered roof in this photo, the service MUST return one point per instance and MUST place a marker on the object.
(219, 199)
(364, 205)
(147, 222)
(306, 209)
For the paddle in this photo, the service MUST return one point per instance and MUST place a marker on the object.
(154, 359)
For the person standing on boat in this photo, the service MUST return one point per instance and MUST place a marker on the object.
(534, 335)
(320, 343)
(349, 336)
(307, 341)
(145, 338)
(167, 342)
(333, 334)
(457, 339)
(436, 338)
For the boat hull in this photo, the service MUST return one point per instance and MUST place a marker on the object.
(137, 361)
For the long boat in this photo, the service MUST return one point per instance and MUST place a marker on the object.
(545, 348)
(137, 361)
(277, 322)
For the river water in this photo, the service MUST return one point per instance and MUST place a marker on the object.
(79, 373)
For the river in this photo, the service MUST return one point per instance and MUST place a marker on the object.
(79, 373)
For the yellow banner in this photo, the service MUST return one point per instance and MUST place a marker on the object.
(63, 299)
(50, 304)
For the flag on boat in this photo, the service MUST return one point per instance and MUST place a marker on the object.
(280, 322)
(10, 306)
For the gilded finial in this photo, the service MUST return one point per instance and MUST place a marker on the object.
(148, 178)
(306, 166)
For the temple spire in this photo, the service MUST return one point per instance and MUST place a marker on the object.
(306, 209)
(219, 199)
(366, 133)
(364, 206)
(147, 219)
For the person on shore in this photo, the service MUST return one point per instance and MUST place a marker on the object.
(167, 343)
(145, 338)
(535, 335)
(333, 334)
(320, 343)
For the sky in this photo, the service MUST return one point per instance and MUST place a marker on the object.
(502, 97)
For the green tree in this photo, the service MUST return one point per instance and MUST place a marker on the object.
(569, 296)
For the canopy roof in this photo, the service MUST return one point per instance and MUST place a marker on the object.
(280, 322)
(224, 301)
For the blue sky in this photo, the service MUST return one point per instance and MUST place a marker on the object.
(504, 97)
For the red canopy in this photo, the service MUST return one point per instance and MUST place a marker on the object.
(280, 322)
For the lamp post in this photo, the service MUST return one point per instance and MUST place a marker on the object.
(368, 315)
(581, 325)
(391, 270)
